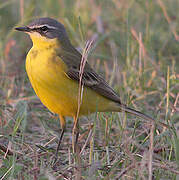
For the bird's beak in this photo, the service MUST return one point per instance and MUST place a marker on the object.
(24, 29)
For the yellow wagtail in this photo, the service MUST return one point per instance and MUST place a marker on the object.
(53, 66)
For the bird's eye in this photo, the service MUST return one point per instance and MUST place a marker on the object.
(44, 28)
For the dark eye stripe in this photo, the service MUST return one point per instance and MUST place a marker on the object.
(40, 29)
(44, 28)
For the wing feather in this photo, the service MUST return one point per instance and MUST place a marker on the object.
(90, 78)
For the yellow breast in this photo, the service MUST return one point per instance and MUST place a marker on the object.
(47, 74)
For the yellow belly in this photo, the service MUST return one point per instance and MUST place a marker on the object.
(56, 90)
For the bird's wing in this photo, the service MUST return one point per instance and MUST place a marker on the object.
(90, 78)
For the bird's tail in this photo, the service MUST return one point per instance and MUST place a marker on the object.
(123, 107)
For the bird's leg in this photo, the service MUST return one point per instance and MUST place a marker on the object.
(75, 134)
(62, 123)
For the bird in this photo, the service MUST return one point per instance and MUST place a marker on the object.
(53, 67)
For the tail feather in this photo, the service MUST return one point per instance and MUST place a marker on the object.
(123, 107)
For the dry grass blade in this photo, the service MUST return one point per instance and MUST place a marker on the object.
(88, 45)
(161, 4)
(87, 140)
(142, 48)
(6, 173)
(6, 150)
(82, 66)
(124, 171)
(175, 104)
(166, 167)
(152, 128)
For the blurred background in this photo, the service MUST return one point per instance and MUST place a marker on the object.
(136, 49)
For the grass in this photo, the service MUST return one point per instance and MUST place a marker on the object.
(136, 50)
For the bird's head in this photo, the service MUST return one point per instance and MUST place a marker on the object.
(44, 31)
